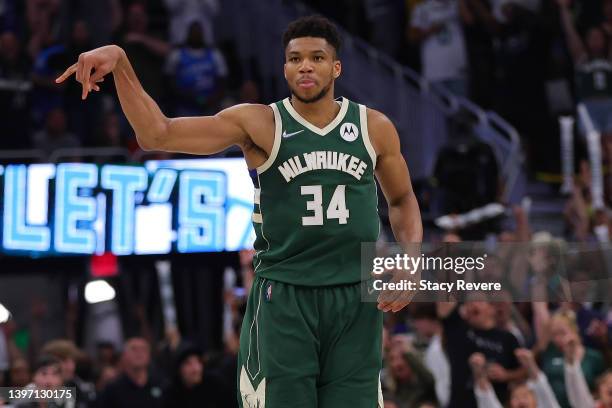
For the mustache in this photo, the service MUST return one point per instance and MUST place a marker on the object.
(313, 99)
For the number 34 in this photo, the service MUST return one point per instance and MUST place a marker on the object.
(335, 210)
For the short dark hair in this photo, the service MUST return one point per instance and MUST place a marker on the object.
(44, 361)
(313, 26)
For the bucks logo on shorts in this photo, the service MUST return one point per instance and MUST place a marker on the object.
(252, 397)
(315, 198)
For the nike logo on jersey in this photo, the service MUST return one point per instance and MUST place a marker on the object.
(286, 135)
(322, 160)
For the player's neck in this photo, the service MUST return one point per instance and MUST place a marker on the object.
(319, 113)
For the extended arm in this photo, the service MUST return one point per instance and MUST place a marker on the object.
(155, 131)
(537, 380)
(577, 388)
(483, 390)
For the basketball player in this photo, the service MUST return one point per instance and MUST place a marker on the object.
(307, 339)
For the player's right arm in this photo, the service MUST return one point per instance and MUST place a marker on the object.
(155, 131)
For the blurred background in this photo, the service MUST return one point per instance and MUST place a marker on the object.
(504, 110)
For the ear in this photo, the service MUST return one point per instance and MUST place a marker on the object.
(337, 69)
(285, 70)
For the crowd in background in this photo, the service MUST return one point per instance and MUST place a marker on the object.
(529, 60)
(169, 43)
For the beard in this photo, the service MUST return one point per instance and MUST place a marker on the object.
(315, 98)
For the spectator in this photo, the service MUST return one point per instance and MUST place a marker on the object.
(604, 390)
(506, 316)
(47, 376)
(19, 373)
(471, 329)
(182, 14)
(532, 394)
(68, 355)
(385, 21)
(606, 25)
(593, 67)
(15, 94)
(591, 325)
(47, 95)
(106, 354)
(55, 136)
(198, 75)
(480, 50)
(578, 208)
(109, 133)
(437, 26)
(429, 329)
(43, 23)
(136, 386)
(146, 50)
(516, 40)
(9, 352)
(81, 114)
(565, 341)
(106, 375)
(407, 380)
(193, 386)
(102, 29)
(466, 171)
(249, 92)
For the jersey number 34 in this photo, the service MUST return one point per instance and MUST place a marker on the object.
(335, 210)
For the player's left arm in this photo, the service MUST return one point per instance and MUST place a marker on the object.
(394, 179)
(404, 214)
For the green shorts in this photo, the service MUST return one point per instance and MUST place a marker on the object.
(307, 347)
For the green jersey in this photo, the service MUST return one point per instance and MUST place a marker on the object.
(315, 199)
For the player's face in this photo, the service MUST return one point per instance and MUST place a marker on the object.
(311, 66)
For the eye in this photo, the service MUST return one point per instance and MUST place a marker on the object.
(318, 58)
(294, 59)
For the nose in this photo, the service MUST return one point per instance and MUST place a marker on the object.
(305, 66)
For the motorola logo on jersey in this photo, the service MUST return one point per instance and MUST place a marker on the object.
(349, 132)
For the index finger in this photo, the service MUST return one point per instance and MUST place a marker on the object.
(71, 70)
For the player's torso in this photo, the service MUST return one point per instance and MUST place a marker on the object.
(315, 199)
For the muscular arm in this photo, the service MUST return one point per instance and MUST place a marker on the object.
(394, 179)
(404, 214)
(155, 131)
